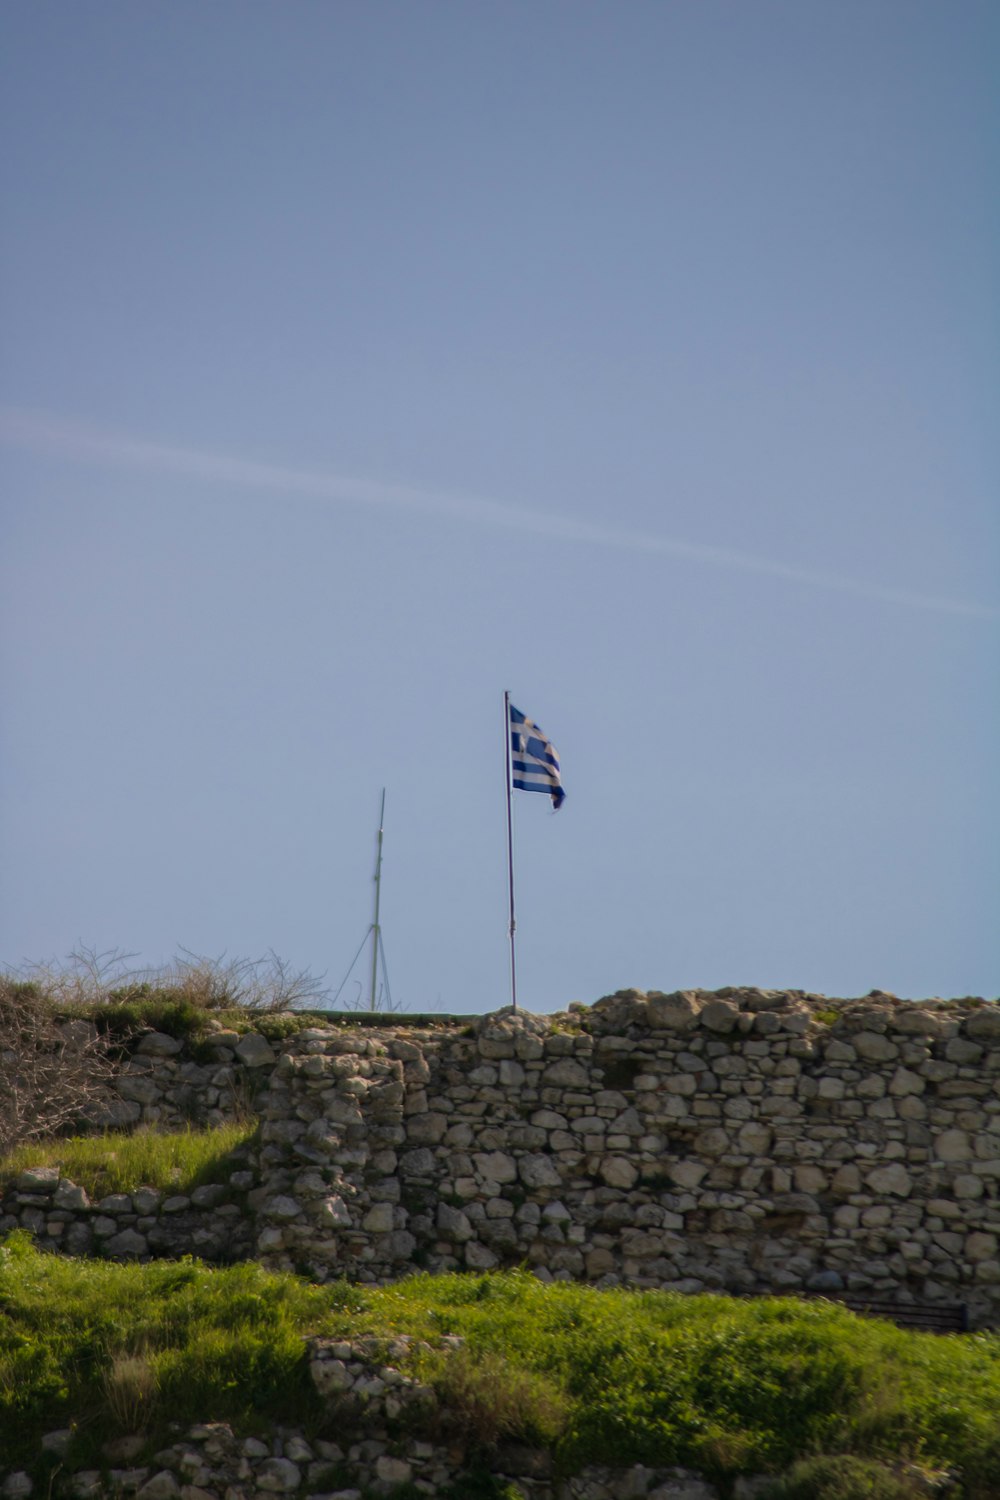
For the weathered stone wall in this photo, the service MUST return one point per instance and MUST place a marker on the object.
(210, 1463)
(743, 1141)
(163, 1085)
(212, 1222)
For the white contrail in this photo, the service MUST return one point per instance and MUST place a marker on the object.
(44, 433)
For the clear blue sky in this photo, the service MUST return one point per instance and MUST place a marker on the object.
(364, 360)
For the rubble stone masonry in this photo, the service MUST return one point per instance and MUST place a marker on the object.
(742, 1140)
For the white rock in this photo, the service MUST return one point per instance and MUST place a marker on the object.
(538, 1172)
(393, 1470)
(378, 1219)
(619, 1172)
(162, 1486)
(254, 1052)
(279, 1475)
(891, 1179)
(333, 1212)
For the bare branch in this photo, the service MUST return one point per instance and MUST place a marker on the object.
(53, 1075)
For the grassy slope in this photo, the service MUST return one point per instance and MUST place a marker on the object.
(718, 1384)
(173, 1161)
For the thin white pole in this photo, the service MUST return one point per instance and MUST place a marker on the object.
(510, 847)
(378, 892)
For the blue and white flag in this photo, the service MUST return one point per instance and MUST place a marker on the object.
(534, 762)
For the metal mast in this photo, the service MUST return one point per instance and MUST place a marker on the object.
(376, 930)
(375, 933)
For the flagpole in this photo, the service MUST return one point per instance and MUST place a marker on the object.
(510, 847)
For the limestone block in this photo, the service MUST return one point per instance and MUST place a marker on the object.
(809, 1179)
(428, 1129)
(38, 1180)
(281, 1207)
(755, 1139)
(419, 1163)
(162, 1486)
(952, 1145)
(142, 1090)
(401, 1244)
(331, 1377)
(738, 1108)
(69, 1195)
(964, 1053)
(209, 1195)
(687, 1174)
(825, 1281)
(915, 1020)
(453, 1224)
(538, 1172)
(831, 1087)
(566, 1073)
(893, 1179)
(874, 1047)
(128, 1242)
(720, 1016)
(333, 1212)
(904, 1082)
(619, 1172)
(378, 1219)
(495, 1166)
(676, 1012)
(479, 1258)
(984, 1025)
(712, 1142)
(158, 1044)
(278, 1475)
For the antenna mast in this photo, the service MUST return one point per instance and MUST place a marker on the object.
(375, 933)
(376, 930)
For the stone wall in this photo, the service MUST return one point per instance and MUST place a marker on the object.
(743, 1141)
(210, 1463)
(211, 1223)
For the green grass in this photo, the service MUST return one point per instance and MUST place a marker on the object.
(173, 1161)
(709, 1382)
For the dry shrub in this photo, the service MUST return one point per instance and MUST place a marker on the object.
(484, 1399)
(92, 977)
(53, 1075)
(130, 1390)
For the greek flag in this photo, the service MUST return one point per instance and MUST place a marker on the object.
(534, 762)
